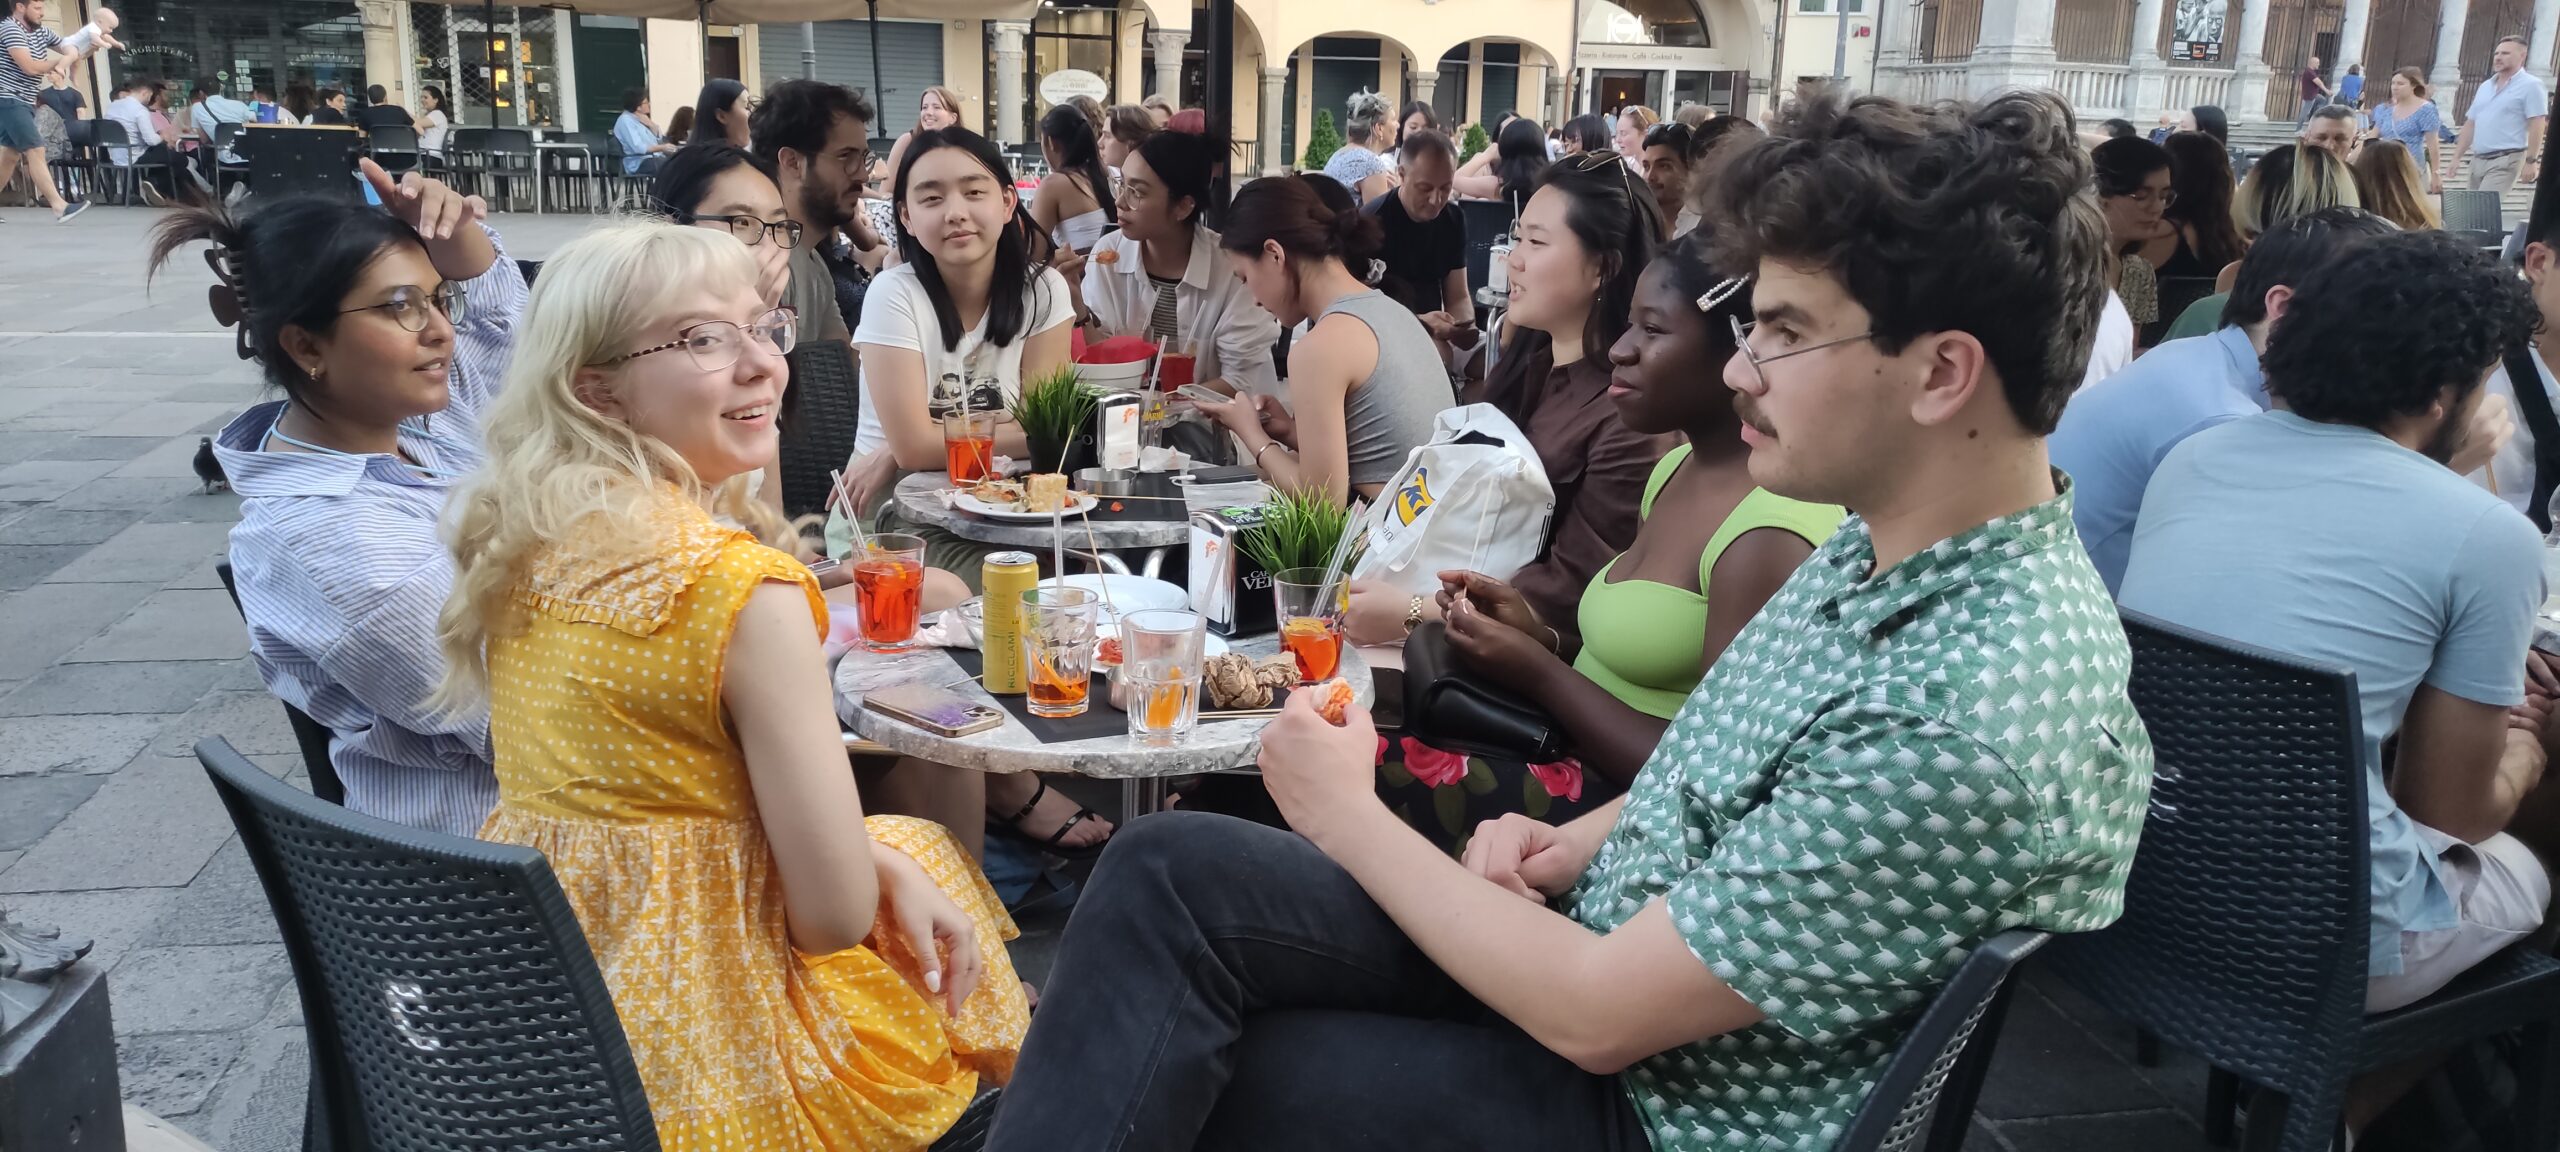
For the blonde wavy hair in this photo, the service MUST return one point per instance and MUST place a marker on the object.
(2294, 180)
(557, 470)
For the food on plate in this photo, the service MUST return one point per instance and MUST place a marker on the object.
(1107, 257)
(1230, 682)
(997, 492)
(1334, 700)
(1045, 492)
(1107, 653)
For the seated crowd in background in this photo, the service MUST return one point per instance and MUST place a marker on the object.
(1687, 327)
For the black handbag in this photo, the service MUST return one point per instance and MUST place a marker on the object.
(1449, 709)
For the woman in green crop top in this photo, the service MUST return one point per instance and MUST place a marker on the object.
(1655, 617)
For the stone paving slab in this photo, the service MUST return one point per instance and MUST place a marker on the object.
(104, 844)
(149, 552)
(174, 624)
(41, 624)
(35, 745)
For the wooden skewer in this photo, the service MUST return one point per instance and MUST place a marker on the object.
(1240, 714)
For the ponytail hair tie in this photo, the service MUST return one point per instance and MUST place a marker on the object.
(1377, 272)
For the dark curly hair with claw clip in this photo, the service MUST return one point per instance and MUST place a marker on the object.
(289, 264)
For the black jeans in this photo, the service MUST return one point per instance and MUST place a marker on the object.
(1223, 985)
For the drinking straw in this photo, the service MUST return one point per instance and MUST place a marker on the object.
(843, 503)
(1352, 529)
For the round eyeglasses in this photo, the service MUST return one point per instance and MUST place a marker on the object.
(751, 231)
(409, 303)
(1759, 363)
(717, 344)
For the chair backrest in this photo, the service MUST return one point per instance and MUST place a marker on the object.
(1930, 1084)
(111, 134)
(310, 735)
(820, 413)
(1487, 221)
(450, 997)
(393, 138)
(2469, 211)
(470, 141)
(2246, 918)
(509, 141)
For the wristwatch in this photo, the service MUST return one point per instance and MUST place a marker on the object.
(1413, 616)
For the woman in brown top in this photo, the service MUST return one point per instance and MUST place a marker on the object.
(1585, 236)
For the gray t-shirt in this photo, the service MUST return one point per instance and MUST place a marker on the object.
(1390, 414)
(812, 294)
(2331, 543)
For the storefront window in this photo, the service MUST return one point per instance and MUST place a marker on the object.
(504, 74)
(1671, 23)
(244, 44)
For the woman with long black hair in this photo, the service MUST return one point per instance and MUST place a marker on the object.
(720, 113)
(1508, 171)
(1163, 279)
(1584, 239)
(1073, 204)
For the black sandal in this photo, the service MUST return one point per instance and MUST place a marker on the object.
(1053, 844)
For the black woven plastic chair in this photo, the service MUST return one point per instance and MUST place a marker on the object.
(1925, 1098)
(312, 736)
(1487, 222)
(450, 997)
(2246, 918)
(394, 147)
(820, 413)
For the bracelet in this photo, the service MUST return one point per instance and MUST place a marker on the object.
(1555, 640)
(1267, 445)
(1413, 616)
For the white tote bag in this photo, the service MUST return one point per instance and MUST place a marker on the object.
(1476, 496)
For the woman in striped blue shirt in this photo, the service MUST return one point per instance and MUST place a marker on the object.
(387, 332)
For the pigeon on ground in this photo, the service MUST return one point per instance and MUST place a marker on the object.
(209, 469)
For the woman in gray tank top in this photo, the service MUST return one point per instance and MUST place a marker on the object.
(1366, 381)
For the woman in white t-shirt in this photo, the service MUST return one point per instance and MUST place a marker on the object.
(432, 123)
(966, 314)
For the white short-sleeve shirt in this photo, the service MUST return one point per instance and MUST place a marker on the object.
(898, 314)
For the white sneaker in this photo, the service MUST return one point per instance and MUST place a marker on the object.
(238, 193)
(151, 195)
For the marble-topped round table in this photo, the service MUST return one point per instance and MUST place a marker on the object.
(919, 497)
(1215, 746)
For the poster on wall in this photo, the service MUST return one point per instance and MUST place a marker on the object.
(2198, 33)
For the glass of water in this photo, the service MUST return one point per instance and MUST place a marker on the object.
(1160, 654)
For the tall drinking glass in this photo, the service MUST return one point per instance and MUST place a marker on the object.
(1160, 654)
(888, 588)
(1310, 622)
(969, 445)
(1057, 649)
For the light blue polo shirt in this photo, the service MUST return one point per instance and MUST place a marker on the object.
(2334, 544)
(2114, 433)
(2498, 115)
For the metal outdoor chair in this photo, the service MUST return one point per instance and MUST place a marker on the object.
(449, 995)
(465, 161)
(125, 180)
(2468, 211)
(230, 138)
(310, 735)
(511, 166)
(1487, 221)
(820, 412)
(1924, 1100)
(75, 170)
(394, 147)
(2246, 918)
(571, 163)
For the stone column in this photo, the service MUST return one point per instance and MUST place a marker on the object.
(2015, 50)
(2147, 77)
(2447, 74)
(1556, 107)
(1274, 88)
(1007, 110)
(2546, 19)
(2248, 101)
(1425, 84)
(384, 63)
(2351, 37)
(1168, 44)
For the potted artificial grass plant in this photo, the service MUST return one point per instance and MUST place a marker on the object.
(1299, 530)
(1056, 414)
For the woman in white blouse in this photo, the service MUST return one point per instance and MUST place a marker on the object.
(1162, 278)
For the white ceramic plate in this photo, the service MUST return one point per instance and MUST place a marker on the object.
(1078, 504)
(1131, 593)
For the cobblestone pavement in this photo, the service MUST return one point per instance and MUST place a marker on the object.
(118, 650)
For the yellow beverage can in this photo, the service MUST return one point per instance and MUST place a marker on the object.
(1006, 577)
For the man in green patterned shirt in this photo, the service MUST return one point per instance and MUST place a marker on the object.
(1922, 740)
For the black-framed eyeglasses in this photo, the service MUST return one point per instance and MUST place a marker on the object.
(409, 303)
(749, 230)
(717, 344)
(1759, 364)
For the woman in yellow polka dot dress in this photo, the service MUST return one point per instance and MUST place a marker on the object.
(789, 974)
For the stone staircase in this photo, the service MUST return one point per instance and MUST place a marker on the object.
(2515, 204)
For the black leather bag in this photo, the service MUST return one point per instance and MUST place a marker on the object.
(1450, 709)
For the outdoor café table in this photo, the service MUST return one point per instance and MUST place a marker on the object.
(1215, 746)
(918, 498)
